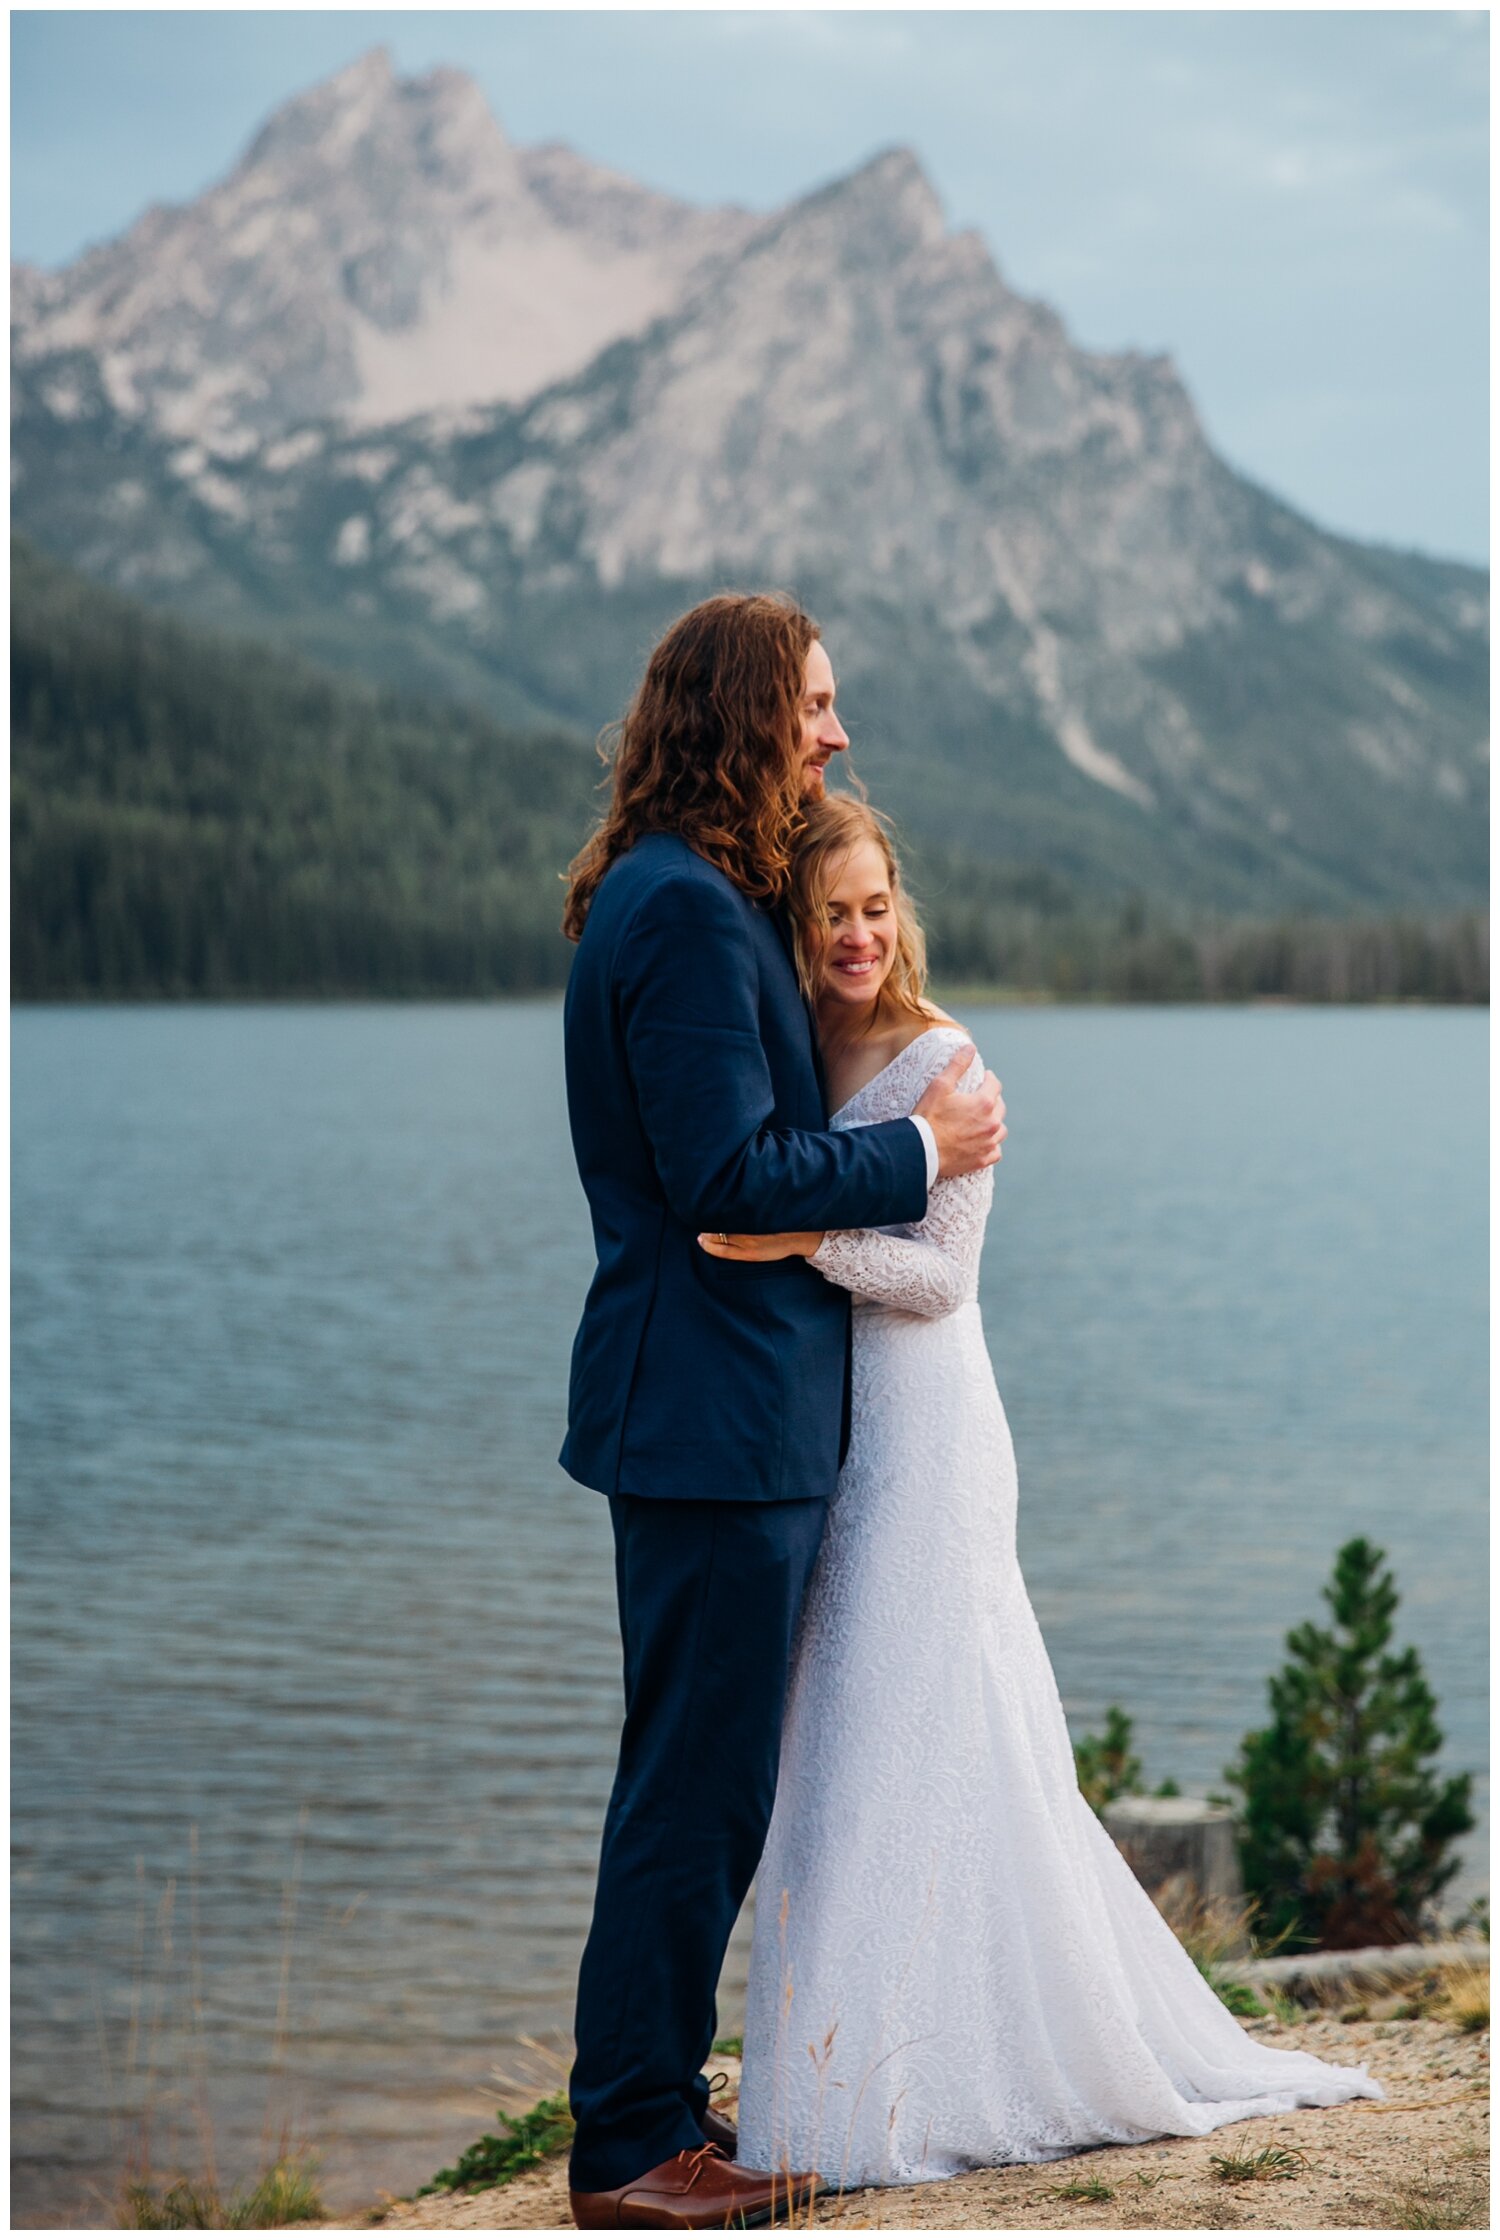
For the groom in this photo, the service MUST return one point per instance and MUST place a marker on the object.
(709, 1399)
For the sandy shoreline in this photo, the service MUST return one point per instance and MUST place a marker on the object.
(1419, 2156)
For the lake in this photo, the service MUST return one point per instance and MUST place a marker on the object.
(315, 1669)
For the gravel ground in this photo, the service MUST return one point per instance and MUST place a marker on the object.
(1416, 2159)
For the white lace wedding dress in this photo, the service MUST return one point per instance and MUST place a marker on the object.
(953, 1967)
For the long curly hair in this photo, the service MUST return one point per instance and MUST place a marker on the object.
(830, 828)
(709, 748)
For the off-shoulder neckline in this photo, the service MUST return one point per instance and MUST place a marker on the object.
(944, 1026)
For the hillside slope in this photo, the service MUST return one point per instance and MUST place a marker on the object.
(192, 816)
(195, 815)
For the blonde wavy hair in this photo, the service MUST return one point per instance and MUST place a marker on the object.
(831, 828)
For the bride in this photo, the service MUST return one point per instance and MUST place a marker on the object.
(953, 1967)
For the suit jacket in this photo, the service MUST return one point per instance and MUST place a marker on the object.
(695, 1101)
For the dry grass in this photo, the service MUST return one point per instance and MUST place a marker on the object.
(1463, 1997)
(160, 2112)
(1216, 1936)
(1212, 1931)
(1453, 2199)
(285, 2194)
(1457, 1993)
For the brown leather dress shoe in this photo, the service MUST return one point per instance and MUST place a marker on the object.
(699, 2190)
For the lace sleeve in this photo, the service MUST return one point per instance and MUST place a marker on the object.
(926, 1267)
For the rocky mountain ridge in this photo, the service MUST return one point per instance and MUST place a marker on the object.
(380, 249)
(1066, 627)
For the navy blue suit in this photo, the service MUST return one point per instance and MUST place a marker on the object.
(709, 1401)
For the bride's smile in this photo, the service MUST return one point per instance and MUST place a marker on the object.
(860, 938)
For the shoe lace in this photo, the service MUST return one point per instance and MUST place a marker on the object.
(717, 2082)
(697, 2159)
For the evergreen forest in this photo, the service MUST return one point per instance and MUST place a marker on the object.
(199, 815)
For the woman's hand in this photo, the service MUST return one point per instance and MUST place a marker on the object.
(792, 1244)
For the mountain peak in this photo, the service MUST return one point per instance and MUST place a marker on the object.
(894, 174)
(381, 249)
(896, 169)
(889, 196)
(417, 136)
(455, 98)
(369, 74)
(334, 111)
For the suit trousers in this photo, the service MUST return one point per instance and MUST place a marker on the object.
(710, 1593)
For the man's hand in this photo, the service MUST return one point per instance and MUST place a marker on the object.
(795, 1244)
(969, 1124)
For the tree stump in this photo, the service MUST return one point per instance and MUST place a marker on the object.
(1183, 1850)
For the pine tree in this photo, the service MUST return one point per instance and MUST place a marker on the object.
(1108, 1767)
(1346, 1825)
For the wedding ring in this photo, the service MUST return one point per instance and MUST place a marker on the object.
(721, 1237)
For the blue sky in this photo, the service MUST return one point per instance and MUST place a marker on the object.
(1293, 203)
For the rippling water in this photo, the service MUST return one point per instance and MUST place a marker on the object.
(315, 1664)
